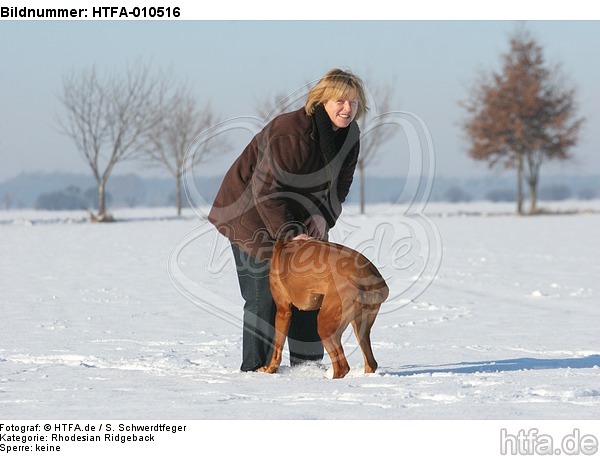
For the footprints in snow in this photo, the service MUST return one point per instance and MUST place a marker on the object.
(424, 313)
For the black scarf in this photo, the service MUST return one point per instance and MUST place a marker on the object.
(332, 142)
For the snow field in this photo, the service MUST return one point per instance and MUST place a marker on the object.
(93, 327)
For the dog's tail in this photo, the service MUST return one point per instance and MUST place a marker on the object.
(373, 287)
(371, 297)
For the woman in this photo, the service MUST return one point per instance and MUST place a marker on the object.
(290, 181)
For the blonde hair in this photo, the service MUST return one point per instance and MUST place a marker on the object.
(336, 85)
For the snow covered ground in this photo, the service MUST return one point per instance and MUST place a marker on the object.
(492, 316)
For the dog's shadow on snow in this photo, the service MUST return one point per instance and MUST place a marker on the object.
(503, 365)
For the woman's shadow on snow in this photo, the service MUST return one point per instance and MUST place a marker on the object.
(504, 365)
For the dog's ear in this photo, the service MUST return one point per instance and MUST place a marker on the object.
(279, 244)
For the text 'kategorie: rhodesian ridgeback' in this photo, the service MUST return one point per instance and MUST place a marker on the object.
(341, 282)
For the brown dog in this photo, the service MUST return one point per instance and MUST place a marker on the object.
(339, 281)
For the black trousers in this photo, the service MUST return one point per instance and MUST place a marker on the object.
(259, 318)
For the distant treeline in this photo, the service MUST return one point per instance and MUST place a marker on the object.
(66, 191)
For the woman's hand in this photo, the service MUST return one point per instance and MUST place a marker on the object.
(301, 237)
(316, 226)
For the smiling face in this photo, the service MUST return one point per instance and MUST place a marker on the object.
(343, 96)
(342, 111)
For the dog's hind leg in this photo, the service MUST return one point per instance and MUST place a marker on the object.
(362, 324)
(333, 345)
(331, 325)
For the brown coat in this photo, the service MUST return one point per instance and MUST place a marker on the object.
(279, 180)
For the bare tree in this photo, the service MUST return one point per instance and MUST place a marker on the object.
(168, 144)
(271, 106)
(108, 116)
(371, 142)
(523, 116)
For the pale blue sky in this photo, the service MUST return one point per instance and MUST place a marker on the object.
(235, 64)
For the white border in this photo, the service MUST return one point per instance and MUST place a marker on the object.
(346, 10)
